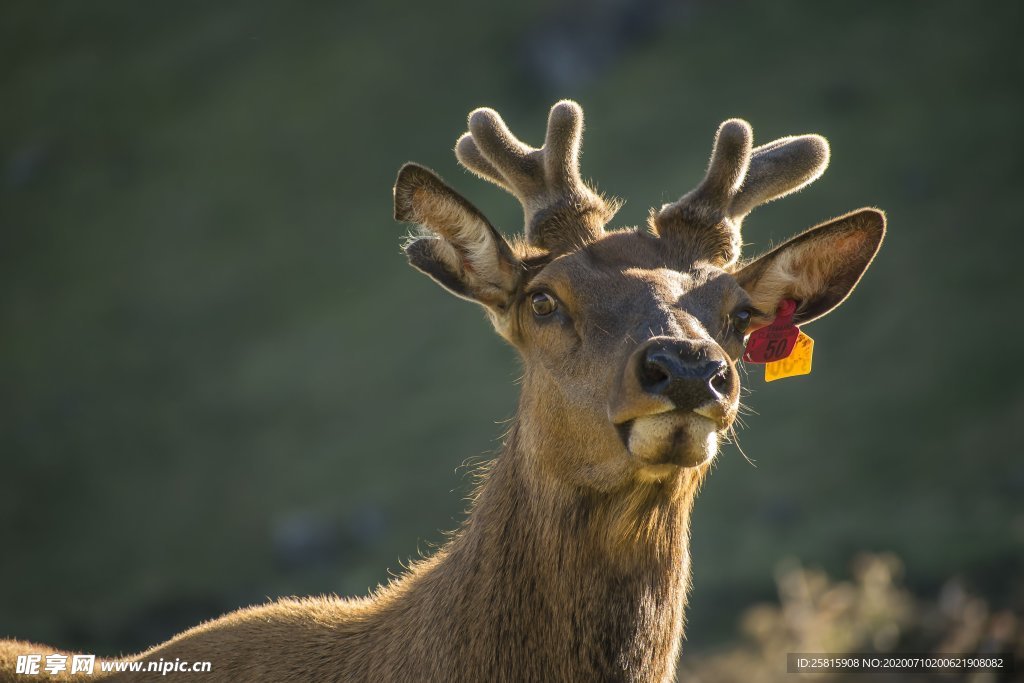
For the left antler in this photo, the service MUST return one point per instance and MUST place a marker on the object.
(560, 210)
(707, 220)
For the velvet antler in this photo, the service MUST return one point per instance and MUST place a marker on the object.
(560, 210)
(707, 220)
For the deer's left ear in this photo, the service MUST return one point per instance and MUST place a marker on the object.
(818, 269)
(463, 253)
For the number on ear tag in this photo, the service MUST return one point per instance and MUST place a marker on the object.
(776, 341)
(798, 362)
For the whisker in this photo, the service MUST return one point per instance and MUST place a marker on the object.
(735, 440)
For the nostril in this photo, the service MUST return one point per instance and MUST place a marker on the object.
(712, 369)
(654, 376)
(720, 382)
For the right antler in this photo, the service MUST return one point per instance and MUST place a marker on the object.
(706, 221)
(560, 210)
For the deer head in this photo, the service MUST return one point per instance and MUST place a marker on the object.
(629, 337)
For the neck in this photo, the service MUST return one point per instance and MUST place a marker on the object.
(556, 583)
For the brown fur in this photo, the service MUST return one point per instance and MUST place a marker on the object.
(573, 561)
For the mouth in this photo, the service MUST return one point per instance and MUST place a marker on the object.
(665, 442)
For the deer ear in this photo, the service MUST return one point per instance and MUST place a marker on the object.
(462, 251)
(819, 268)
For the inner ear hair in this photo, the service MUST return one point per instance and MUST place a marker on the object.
(436, 257)
(462, 251)
(818, 268)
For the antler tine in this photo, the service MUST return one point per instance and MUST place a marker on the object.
(562, 147)
(560, 210)
(469, 156)
(779, 168)
(707, 220)
(730, 159)
(513, 159)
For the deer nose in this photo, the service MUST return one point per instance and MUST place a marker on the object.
(684, 374)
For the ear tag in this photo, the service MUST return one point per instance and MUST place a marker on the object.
(798, 362)
(784, 349)
(775, 342)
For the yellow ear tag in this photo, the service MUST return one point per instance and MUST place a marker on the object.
(796, 363)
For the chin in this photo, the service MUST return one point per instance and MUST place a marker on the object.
(667, 443)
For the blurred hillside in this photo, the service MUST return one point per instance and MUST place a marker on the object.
(219, 381)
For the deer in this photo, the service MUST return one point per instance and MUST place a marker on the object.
(572, 563)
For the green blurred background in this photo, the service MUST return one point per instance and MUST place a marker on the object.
(220, 382)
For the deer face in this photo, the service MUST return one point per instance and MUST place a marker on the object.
(629, 338)
(633, 355)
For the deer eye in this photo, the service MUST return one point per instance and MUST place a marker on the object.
(543, 304)
(741, 320)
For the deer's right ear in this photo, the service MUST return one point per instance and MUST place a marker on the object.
(462, 252)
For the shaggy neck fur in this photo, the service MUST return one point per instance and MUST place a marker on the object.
(535, 587)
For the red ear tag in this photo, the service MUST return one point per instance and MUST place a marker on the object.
(775, 342)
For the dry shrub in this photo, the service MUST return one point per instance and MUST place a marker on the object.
(871, 613)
